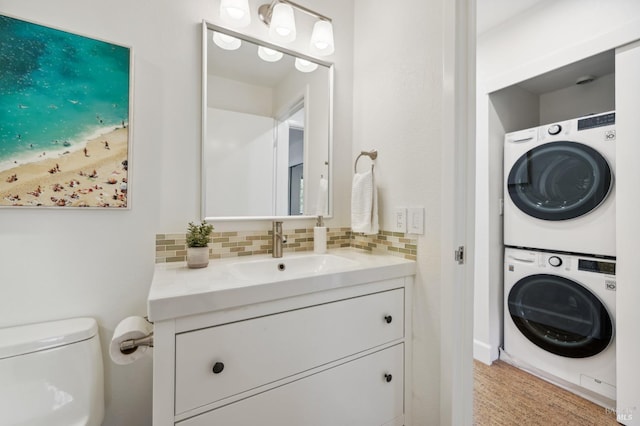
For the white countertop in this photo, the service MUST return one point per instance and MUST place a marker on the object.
(178, 291)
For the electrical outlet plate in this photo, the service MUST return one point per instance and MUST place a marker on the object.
(400, 219)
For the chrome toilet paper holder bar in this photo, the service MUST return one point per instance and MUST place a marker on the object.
(129, 346)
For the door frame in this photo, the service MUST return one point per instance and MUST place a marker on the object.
(458, 211)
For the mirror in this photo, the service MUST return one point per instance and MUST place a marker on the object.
(266, 141)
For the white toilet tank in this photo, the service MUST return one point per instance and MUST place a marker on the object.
(51, 374)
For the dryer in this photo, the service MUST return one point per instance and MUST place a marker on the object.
(559, 191)
(559, 320)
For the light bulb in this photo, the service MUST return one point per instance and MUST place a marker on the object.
(235, 13)
(283, 24)
(283, 31)
(303, 65)
(225, 41)
(322, 39)
(269, 55)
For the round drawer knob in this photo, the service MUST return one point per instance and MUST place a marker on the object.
(388, 319)
(218, 367)
(388, 377)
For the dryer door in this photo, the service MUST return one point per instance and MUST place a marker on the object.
(560, 316)
(559, 181)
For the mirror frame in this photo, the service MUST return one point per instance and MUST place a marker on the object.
(206, 26)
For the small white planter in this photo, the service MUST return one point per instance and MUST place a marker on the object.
(197, 257)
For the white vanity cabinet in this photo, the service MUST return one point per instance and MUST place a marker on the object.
(353, 393)
(336, 356)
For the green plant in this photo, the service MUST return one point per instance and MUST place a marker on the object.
(198, 235)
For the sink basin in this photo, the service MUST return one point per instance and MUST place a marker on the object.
(178, 291)
(292, 266)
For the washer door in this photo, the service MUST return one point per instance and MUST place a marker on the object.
(559, 181)
(560, 316)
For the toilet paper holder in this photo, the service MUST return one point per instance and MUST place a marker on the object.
(129, 346)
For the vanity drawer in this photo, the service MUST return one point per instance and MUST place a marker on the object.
(262, 350)
(367, 391)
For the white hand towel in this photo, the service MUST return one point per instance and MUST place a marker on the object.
(364, 203)
(323, 196)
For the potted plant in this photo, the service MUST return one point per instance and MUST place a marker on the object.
(197, 244)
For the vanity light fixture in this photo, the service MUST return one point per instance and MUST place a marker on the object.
(303, 65)
(279, 17)
(225, 41)
(322, 38)
(235, 13)
(269, 55)
(283, 23)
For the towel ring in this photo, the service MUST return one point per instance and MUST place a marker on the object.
(373, 154)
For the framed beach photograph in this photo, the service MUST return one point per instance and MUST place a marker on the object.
(65, 106)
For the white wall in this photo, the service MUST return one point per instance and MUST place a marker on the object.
(509, 109)
(577, 100)
(281, 169)
(398, 107)
(66, 263)
(233, 95)
(239, 164)
(529, 45)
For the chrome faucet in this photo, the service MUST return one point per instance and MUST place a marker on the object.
(277, 239)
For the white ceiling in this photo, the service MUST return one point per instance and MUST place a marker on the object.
(491, 13)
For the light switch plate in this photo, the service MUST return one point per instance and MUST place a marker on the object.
(400, 219)
(415, 220)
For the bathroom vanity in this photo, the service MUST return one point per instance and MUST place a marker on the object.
(306, 339)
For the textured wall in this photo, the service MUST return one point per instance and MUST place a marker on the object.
(398, 111)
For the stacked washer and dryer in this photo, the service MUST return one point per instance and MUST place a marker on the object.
(559, 236)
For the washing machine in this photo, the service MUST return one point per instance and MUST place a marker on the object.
(559, 320)
(559, 191)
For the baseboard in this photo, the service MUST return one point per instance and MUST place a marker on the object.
(484, 353)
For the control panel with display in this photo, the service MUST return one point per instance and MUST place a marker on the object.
(598, 266)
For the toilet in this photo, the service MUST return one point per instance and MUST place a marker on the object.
(51, 374)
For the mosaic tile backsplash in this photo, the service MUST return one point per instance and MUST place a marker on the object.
(173, 248)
